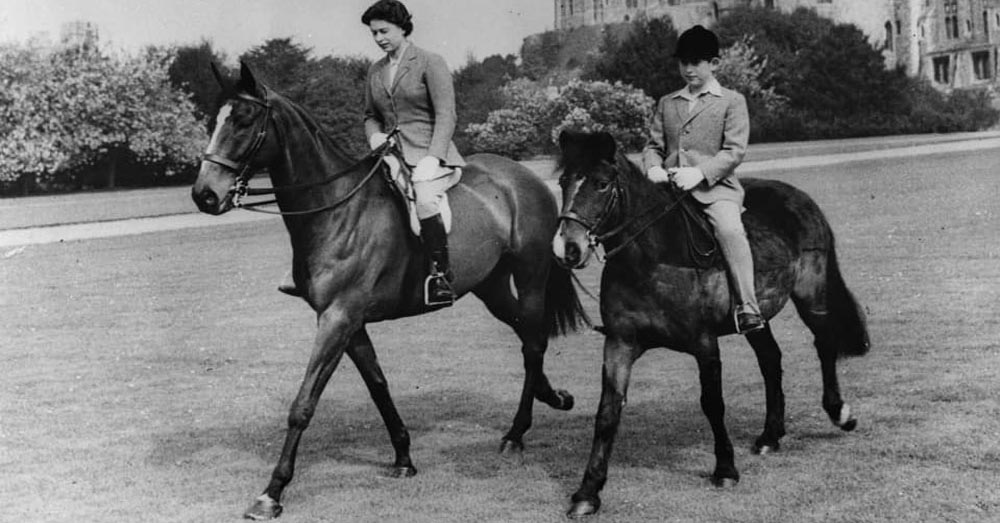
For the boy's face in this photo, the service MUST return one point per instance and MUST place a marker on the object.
(697, 71)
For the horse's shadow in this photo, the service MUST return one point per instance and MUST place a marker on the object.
(463, 429)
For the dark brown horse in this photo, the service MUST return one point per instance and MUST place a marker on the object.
(357, 262)
(663, 286)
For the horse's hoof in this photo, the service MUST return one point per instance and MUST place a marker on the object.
(583, 508)
(407, 471)
(263, 508)
(762, 446)
(846, 421)
(511, 448)
(765, 449)
(724, 483)
(566, 400)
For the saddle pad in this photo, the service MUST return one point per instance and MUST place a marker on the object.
(405, 188)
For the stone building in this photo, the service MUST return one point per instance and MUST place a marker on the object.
(953, 43)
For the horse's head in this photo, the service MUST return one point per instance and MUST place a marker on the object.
(243, 142)
(591, 192)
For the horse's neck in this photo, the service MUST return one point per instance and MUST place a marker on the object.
(311, 159)
(659, 242)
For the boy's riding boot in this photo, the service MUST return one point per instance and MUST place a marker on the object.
(437, 286)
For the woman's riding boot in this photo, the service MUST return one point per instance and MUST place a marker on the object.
(437, 286)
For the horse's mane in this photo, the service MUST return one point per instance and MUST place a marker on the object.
(308, 122)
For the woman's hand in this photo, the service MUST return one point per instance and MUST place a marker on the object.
(377, 139)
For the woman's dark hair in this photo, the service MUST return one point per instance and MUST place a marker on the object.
(392, 11)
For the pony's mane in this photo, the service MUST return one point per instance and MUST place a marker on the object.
(314, 129)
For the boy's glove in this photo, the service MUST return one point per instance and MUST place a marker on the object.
(377, 139)
(657, 174)
(687, 178)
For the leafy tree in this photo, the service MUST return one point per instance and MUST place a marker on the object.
(643, 58)
(281, 64)
(478, 91)
(191, 72)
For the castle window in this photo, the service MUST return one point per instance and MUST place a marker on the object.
(888, 36)
(981, 65)
(942, 69)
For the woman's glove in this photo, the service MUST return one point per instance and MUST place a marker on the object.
(377, 139)
(427, 169)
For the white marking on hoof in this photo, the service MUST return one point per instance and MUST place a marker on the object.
(845, 415)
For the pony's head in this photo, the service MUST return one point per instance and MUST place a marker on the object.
(243, 142)
(590, 193)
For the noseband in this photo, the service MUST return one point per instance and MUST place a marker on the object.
(242, 166)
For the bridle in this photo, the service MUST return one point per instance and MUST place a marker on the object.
(242, 166)
(596, 233)
(241, 186)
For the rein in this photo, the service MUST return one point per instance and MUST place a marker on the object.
(241, 187)
(597, 238)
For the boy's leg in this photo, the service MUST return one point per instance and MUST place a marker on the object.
(725, 218)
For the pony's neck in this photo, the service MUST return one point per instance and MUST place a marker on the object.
(642, 201)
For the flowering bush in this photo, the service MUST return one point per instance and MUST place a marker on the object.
(65, 109)
(532, 118)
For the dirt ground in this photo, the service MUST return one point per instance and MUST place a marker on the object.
(148, 377)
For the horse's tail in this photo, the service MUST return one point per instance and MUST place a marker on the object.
(847, 318)
(563, 311)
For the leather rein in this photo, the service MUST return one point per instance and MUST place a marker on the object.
(241, 187)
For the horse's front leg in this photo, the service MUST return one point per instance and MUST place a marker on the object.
(618, 359)
(710, 374)
(331, 341)
(769, 361)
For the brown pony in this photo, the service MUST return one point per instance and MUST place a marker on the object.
(663, 285)
(356, 261)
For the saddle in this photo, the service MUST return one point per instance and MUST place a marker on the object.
(398, 175)
(702, 248)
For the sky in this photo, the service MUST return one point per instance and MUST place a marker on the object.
(454, 29)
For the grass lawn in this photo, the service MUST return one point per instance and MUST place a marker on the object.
(147, 378)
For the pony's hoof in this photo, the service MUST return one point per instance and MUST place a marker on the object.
(566, 400)
(263, 508)
(407, 471)
(724, 483)
(583, 508)
(846, 421)
(761, 448)
(511, 448)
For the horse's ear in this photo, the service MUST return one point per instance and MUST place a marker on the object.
(247, 84)
(219, 77)
(604, 146)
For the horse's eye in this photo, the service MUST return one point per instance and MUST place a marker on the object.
(602, 185)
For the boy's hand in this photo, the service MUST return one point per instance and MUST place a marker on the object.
(686, 178)
(657, 174)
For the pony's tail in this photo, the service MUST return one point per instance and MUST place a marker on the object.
(563, 311)
(847, 320)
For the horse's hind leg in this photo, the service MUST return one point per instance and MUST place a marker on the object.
(362, 354)
(811, 301)
(525, 314)
(769, 361)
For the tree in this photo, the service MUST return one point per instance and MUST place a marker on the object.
(190, 71)
(643, 58)
(478, 91)
(281, 64)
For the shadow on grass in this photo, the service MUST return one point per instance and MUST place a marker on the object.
(461, 431)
